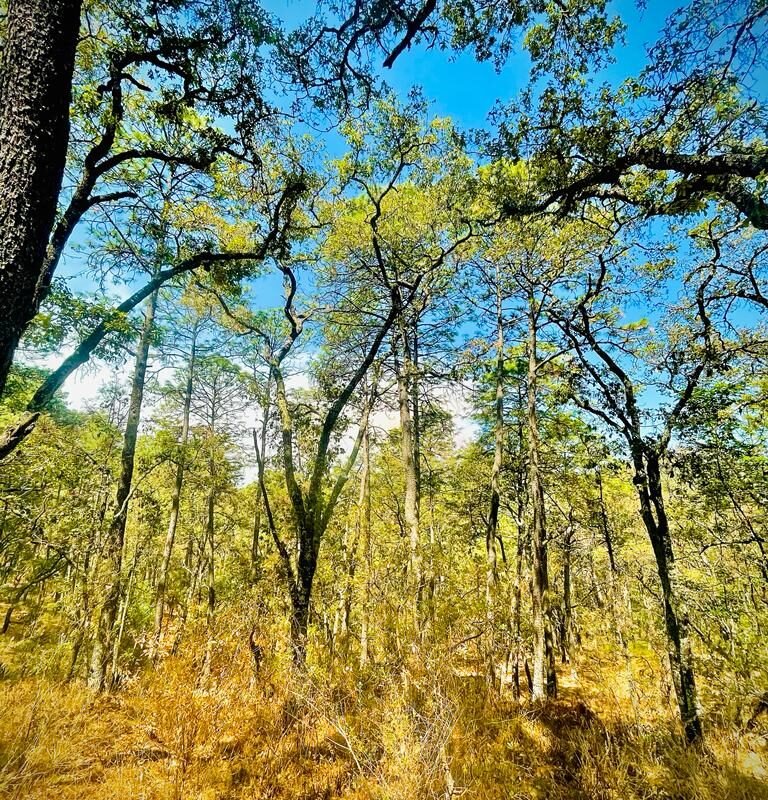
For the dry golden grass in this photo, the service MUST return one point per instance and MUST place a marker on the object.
(424, 732)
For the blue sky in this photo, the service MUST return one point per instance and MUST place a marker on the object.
(464, 89)
(456, 85)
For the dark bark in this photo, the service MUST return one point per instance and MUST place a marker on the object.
(725, 176)
(517, 598)
(38, 59)
(653, 513)
(98, 678)
(623, 414)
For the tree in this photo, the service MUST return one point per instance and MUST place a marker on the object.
(38, 59)
(690, 355)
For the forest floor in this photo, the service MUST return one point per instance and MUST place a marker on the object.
(421, 732)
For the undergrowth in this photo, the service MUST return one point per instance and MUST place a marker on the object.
(422, 729)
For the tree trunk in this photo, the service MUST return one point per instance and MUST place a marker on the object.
(517, 598)
(411, 494)
(261, 448)
(492, 527)
(116, 534)
(614, 576)
(544, 677)
(307, 565)
(173, 520)
(38, 57)
(210, 534)
(123, 614)
(365, 546)
(565, 633)
(650, 494)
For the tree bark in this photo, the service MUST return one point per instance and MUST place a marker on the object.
(210, 611)
(491, 531)
(38, 58)
(260, 445)
(651, 497)
(565, 632)
(97, 678)
(409, 457)
(614, 574)
(173, 519)
(544, 677)
(365, 546)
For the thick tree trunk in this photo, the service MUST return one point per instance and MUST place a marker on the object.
(544, 677)
(307, 566)
(38, 57)
(173, 519)
(97, 678)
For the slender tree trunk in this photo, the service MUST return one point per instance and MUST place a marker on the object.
(36, 67)
(365, 546)
(124, 613)
(614, 575)
(195, 568)
(173, 519)
(650, 494)
(210, 537)
(261, 447)
(565, 633)
(411, 498)
(544, 677)
(492, 527)
(517, 598)
(116, 534)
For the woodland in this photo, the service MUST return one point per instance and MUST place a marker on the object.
(424, 460)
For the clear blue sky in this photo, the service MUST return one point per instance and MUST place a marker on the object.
(456, 85)
(464, 89)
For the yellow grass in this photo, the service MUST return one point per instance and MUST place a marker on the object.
(425, 732)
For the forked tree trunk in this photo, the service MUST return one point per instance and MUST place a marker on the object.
(100, 654)
(36, 67)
